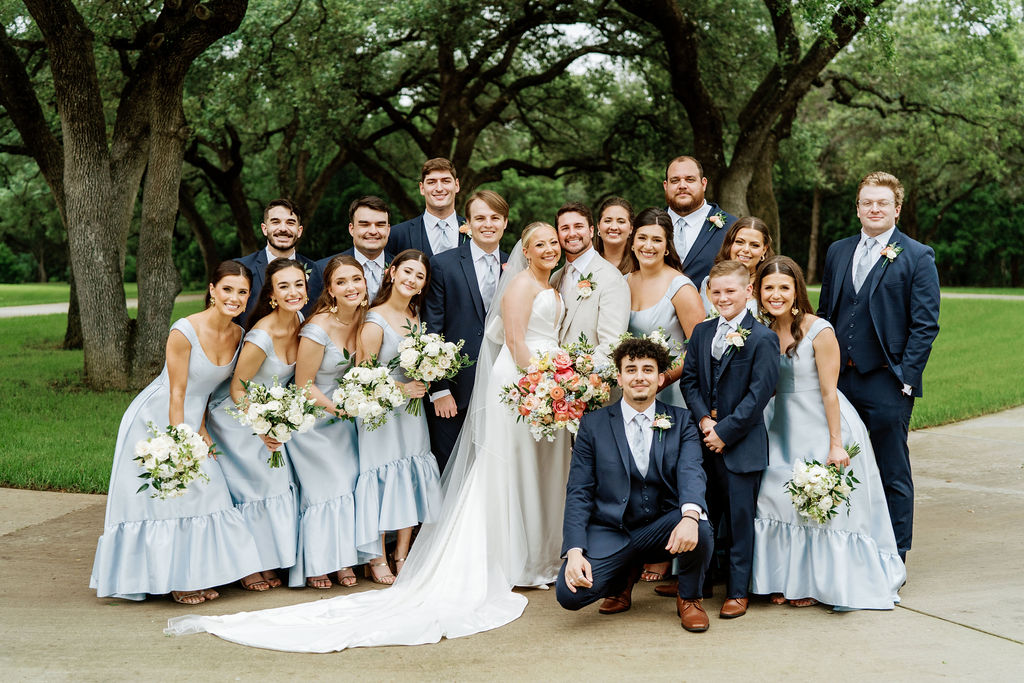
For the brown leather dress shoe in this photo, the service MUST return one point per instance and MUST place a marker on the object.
(613, 604)
(733, 607)
(667, 590)
(692, 615)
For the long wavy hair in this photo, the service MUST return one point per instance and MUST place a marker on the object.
(625, 265)
(784, 265)
(263, 307)
(655, 216)
(753, 223)
(416, 303)
(326, 299)
(227, 269)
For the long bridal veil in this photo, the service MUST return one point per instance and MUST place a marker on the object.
(457, 578)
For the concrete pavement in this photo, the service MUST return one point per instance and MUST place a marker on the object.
(962, 616)
(50, 309)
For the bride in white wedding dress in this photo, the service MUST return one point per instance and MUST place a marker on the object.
(501, 522)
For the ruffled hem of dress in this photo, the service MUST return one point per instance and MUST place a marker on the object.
(327, 539)
(834, 566)
(156, 556)
(396, 495)
(274, 523)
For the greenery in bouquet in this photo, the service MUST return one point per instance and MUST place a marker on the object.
(367, 392)
(172, 459)
(427, 357)
(276, 412)
(818, 490)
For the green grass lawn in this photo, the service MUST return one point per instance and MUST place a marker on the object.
(54, 293)
(60, 436)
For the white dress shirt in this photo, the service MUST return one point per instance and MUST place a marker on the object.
(876, 251)
(271, 256)
(371, 286)
(434, 236)
(580, 267)
(688, 228)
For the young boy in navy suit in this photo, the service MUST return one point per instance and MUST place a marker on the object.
(729, 374)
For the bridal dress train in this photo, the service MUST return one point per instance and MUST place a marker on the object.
(500, 527)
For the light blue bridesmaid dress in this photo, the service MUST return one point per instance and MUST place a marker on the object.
(180, 544)
(663, 314)
(326, 464)
(267, 497)
(399, 483)
(850, 562)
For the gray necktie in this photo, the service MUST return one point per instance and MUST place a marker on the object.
(489, 281)
(446, 239)
(864, 264)
(718, 344)
(373, 278)
(636, 444)
(683, 237)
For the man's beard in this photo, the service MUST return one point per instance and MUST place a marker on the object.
(685, 203)
(275, 241)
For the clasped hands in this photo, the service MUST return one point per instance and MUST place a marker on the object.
(711, 439)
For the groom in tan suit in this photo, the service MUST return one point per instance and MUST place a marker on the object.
(595, 294)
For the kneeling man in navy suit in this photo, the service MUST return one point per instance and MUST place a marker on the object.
(635, 494)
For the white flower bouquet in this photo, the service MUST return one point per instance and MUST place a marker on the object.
(172, 459)
(676, 351)
(428, 358)
(367, 392)
(818, 490)
(276, 412)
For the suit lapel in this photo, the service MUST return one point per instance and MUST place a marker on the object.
(420, 237)
(657, 443)
(845, 271)
(705, 363)
(619, 430)
(883, 264)
(706, 229)
(468, 269)
(748, 322)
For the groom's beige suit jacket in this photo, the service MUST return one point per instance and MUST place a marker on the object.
(604, 315)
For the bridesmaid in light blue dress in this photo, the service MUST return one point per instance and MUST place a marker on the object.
(267, 497)
(748, 241)
(399, 483)
(660, 295)
(184, 545)
(852, 561)
(326, 458)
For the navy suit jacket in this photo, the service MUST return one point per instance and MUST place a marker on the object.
(412, 234)
(701, 256)
(903, 303)
(599, 479)
(351, 251)
(257, 263)
(747, 378)
(454, 308)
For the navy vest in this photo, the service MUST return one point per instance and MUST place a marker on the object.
(644, 495)
(716, 375)
(857, 337)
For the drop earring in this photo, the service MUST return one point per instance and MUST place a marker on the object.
(273, 304)
(365, 303)
(334, 306)
(305, 300)
(794, 311)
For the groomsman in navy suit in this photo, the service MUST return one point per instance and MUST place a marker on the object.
(370, 225)
(282, 226)
(462, 286)
(436, 230)
(880, 290)
(729, 375)
(699, 225)
(635, 494)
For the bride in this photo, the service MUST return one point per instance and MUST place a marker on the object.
(500, 525)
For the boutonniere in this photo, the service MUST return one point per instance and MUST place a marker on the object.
(307, 270)
(466, 230)
(717, 221)
(737, 338)
(891, 251)
(585, 286)
(661, 423)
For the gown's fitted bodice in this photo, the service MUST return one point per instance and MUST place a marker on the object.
(500, 526)
(333, 364)
(272, 365)
(799, 372)
(389, 344)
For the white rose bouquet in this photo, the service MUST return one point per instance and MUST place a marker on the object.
(276, 412)
(428, 358)
(676, 351)
(369, 393)
(172, 459)
(818, 490)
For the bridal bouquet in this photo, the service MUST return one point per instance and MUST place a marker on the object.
(369, 393)
(428, 358)
(818, 490)
(276, 412)
(676, 351)
(556, 389)
(172, 458)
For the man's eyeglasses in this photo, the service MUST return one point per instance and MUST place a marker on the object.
(881, 203)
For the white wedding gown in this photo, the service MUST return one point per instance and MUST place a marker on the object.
(500, 526)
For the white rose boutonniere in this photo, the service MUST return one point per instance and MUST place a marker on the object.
(586, 286)
(661, 423)
(717, 221)
(737, 338)
(466, 230)
(891, 251)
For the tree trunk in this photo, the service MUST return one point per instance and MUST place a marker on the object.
(812, 247)
(73, 331)
(200, 229)
(761, 193)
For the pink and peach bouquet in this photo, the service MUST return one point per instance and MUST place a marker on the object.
(556, 389)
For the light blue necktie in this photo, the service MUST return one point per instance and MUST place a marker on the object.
(864, 264)
(718, 344)
(489, 281)
(636, 444)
